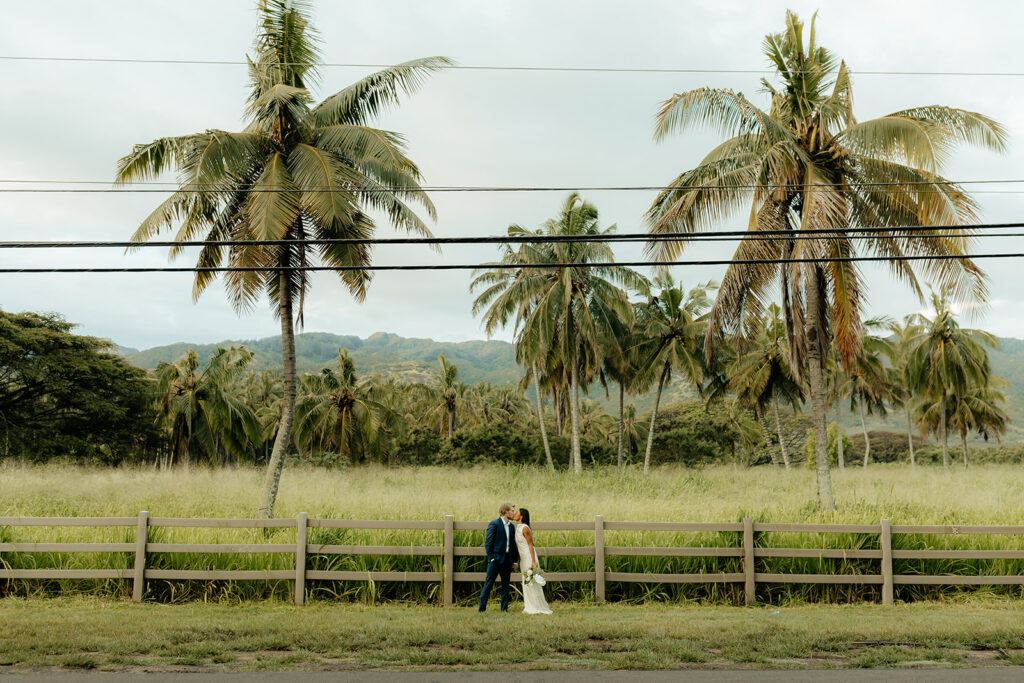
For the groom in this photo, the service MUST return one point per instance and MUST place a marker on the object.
(502, 555)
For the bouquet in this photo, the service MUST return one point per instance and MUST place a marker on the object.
(534, 574)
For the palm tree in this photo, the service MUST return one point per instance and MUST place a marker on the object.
(764, 375)
(297, 173)
(902, 390)
(200, 409)
(263, 395)
(668, 327)
(510, 293)
(806, 163)
(444, 396)
(979, 409)
(947, 360)
(867, 382)
(338, 413)
(569, 314)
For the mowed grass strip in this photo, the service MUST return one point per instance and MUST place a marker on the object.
(91, 633)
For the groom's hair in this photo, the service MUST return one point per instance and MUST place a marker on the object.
(505, 507)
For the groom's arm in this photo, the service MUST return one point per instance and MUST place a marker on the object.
(489, 538)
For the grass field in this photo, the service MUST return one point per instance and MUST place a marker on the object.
(83, 633)
(980, 495)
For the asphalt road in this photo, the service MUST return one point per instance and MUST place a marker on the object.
(924, 675)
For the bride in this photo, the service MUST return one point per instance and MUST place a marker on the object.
(533, 592)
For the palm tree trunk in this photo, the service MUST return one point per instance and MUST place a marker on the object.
(963, 445)
(778, 430)
(556, 404)
(540, 419)
(574, 418)
(839, 428)
(284, 433)
(815, 329)
(622, 395)
(942, 428)
(910, 439)
(451, 424)
(864, 428)
(654, 418)
(767, 438)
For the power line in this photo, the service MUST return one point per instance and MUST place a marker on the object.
(369, 190)
(640, 187)
(497, 67)
(914, 232)
(510, 266)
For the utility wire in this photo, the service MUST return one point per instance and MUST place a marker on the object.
(496, 67)
(511, 266)
(222, 187)
(369, 190)
(914, 231)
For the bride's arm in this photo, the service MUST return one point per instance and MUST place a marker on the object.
(528, 535)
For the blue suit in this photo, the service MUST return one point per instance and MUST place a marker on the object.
(502, 553)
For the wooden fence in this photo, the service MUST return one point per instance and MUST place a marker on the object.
(747, 551)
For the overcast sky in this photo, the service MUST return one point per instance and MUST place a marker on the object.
(72, 121)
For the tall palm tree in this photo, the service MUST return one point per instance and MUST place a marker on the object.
(570, 312)
(947, 360)
(511, 294)
(806, 163)
(298, 172)
(204, 415)
(765, 374)
(338, 413)
(903, 393)
(444, 396)
(668, 328)
(867, 381)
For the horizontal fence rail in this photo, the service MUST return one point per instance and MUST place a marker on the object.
(750, 547)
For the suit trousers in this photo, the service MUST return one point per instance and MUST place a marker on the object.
(502, 568)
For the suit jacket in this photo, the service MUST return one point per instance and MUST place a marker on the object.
(494, 542)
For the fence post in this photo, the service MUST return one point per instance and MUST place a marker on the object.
(886, 543)
(448, 561)
(301, 526)
(599, 557)
(139, 575)
(749, 587)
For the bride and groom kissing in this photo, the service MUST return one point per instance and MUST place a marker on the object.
(509, 547)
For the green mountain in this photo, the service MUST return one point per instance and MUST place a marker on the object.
(411, 360)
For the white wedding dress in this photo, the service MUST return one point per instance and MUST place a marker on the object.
(533, 592)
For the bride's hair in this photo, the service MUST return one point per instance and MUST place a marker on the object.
(526, 516)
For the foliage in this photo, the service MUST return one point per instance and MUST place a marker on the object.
(694, 434)
(65, 395)
(833, 446)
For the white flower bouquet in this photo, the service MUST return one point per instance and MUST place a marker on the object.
(534, 574)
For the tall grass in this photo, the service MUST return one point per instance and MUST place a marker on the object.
(992, 494)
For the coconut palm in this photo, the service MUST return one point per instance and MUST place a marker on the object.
(903, 393)
(570, 313)
(947, 360)
(337, 413)
(264, 396)
(444, 396)
(867, 381)
(979, 409)
(509, 294)
(806, 163)
(298, 172)
(205, 417)
(765, 375)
